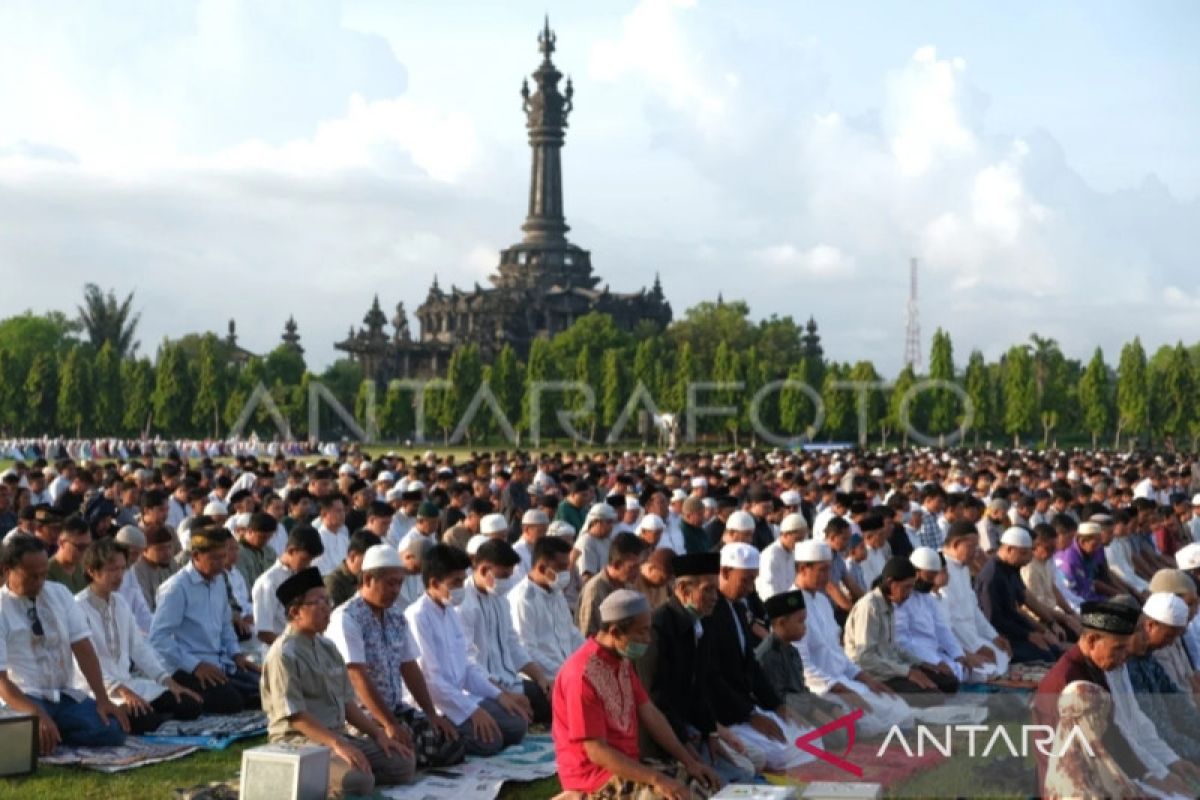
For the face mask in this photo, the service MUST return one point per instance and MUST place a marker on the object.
(634, 650)
(457, 596)
(693, 610)
(923, 586)
(503, 585)
(562, 580)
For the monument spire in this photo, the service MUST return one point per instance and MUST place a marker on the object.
(546, 111)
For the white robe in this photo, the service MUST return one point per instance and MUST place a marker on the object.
(776, 571)
(492, 641)
(1117, 553)
(131, 590)
(966, 618)
(117, 643)
(456, 684)
(337, 544)
(826, 666)
(922, 629)
(542, 620)
(1136, 727)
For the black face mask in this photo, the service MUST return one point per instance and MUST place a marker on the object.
(923, 586)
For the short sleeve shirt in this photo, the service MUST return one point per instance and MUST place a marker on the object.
(303, 673)
(41, 666)
(596, 696)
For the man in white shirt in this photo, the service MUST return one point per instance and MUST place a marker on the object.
(270, 617)
(405, 503)
(838, 508)
(492, 641)
(540, 614)
(425, 528)
(135, 544)
(534, 523)
(921, 625)
(777, 566)
(591, 546)
(487, 717)
(43, 637)
(827, 669)
(972, 629)
(335, 538)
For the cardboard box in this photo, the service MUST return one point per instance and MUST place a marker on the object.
(18, 743)
(285, 772)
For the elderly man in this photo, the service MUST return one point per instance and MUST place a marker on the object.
(540, 614)
(308, 699)
(591, 546)
(193, 629)
(870, 640)
(691, 526)
(599, 707)
(742, 697)
(534, 523)
(1029, 627)
(373, 638)
(1174, 655)
(342, 583)
(970, 626)
(493, 643)
(625, 558)
(151, 696)
(487, 717)
(777, 567)
(303, 547)
(43, 635)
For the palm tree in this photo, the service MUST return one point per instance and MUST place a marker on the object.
(106, 320)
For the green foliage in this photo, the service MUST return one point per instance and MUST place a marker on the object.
(506, 383)
(209, 382)
(1020, 398)
(106, 321)
(137, 387)
(41, 395)
(1133, 390)
(285, 365)
(106, 388)
(1095, 397)
(11, 402)
(75, 399)
(977, 384)
(27, 335)
(839, 403)
(614, 391)
(172, 390)
(900, 416)
(943, 404)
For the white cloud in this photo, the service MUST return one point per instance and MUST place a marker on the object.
(923, 113)
(821, 262)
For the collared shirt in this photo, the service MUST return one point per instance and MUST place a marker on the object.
(1081, 570)
(193, 623)
(598, 587)
(872, 565)
(1001, 597)
(966, 618)
(492, 641)
(825, 663)
(870, 638)
(776, 571)
(1119, 555)
(381, 643)
(401, 524)
(149, 577)
(456, 684)
(543, 624)
(593, 554)
(41, 666)
(76, 580)
(119, 643)
(923, 630)
(304, 674)
(132, 592)
(930, 533)
(269, 614)
(337, 544)
(596, 697)
(1136, 726)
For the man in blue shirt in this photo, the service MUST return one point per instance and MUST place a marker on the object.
(193, 630)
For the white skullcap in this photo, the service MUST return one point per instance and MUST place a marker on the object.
(381, 556)
(385, 476)
(1016, 537)
(710, 503)
(631, 503)
(651, 522)
(475, 542)
(131, 535)
(739, 555)
(740, 521)
(793, 522)
(699, 483)
(414, 486)
(241, 520)
(602, 511)
(623, 604)
(493, 523)
(926, 558)
(1188, 557)
(1166, 608)
(394, 495)
(561, 528)
(534, 516)
(790, 498)
(216, 508)
(812, 552)
(678, 496)
(347, 469)
(1088, 529)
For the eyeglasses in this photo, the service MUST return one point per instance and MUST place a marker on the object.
(320, 601)
(35, 624)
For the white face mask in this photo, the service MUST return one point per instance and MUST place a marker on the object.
(562, 580)
(503, 585)
(457, 596)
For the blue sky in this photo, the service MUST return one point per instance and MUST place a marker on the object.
(255, 160)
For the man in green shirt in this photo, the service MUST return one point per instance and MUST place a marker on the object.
(256, 556)
(342, 583)
(572, 509)
(66, 566)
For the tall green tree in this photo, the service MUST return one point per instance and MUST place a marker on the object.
(727, 371)
(137, 389)
(943, 403)
(978, 389)
(172, 393)
(613, 389)
(397, 417)
(75, 398)
(1179, 394)
(685, 373)
(505, 381)
(26, 335)
(282, 364)
(839, 402)
(11, 402)
(1133, 395)
(465, 374)
(106, 388)
(1020, 393)
(537, 371)
(1095, 397)
(874, 405)
(208, 401)
(583, 403)
(105, 319)
(41, 395)
(899, 416)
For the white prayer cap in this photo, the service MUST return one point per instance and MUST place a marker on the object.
(1101, 519)
(603, 512)
(475, 542)
(1088, 529)
(1166, 608)
(651, 522)
(493, 523)
(241, 520)
(562, 528)
(414, 486)
(534, 516)
(678, 496)
(835, 468)
(710, 503)
(926, 558)
(740, 521)
(1196, 499)
(793, 522)
(394, 495)
(631, 503)
(347, 469)
(381, 556)
(699, 483)
(216, 508)
(623, 604)
(131, 535)
(1017, 537)
(739, 555)
(811, 552)
(790, 498)
(385, 476)
(1188, 557)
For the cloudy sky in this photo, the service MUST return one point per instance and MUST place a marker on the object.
(259, 159)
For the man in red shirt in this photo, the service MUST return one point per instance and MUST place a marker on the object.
(599, 704)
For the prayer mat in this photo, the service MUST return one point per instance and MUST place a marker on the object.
(889, 772)
(211, 731)
(481, 778)
(136, 752)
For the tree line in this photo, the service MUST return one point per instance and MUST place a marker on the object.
(83, 376)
